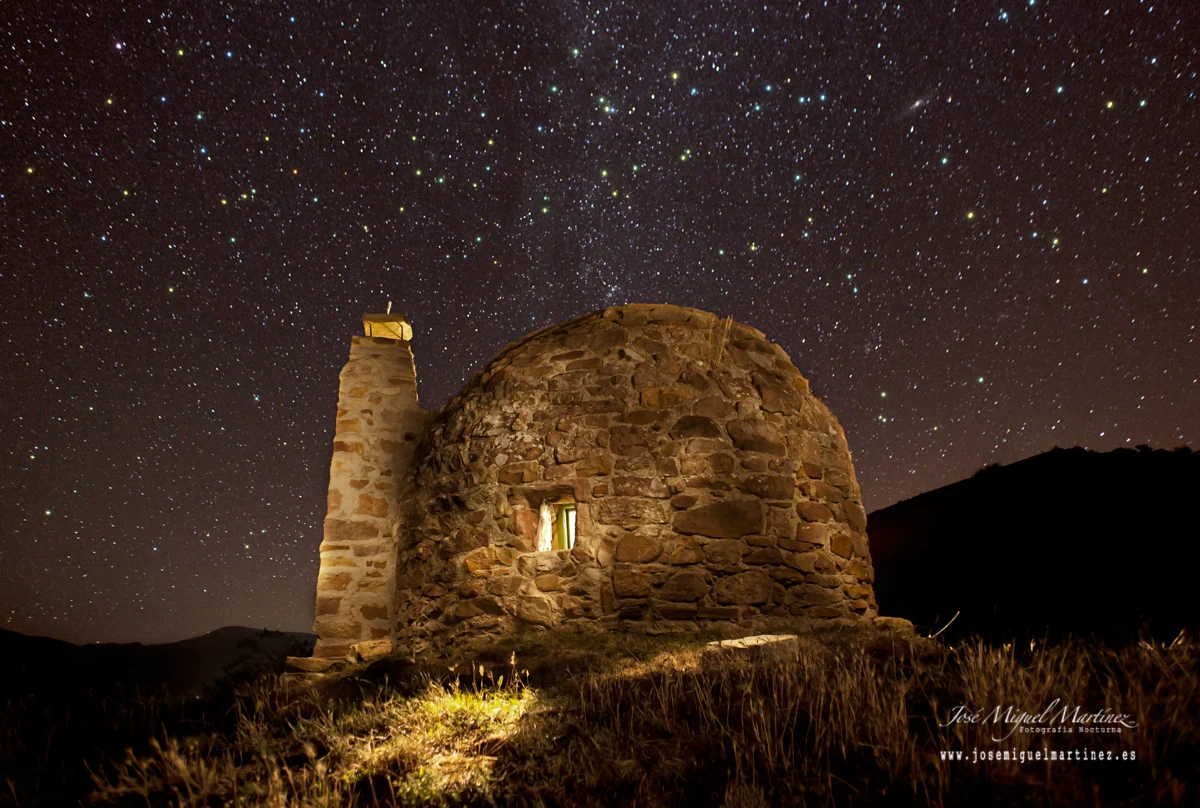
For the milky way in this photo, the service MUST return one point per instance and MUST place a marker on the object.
(972, 227)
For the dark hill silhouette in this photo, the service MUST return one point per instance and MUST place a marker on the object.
(1069, 541)
(226, 655)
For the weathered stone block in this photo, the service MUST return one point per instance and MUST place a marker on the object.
(675, 611)
(629, 583)
(640, 487)
(722, 520)
(744, 588)
(805, 562)
(753, 435)
(812, 533)
(718, 612)
(347, 530)
(516, 473)
(727, 551)
(370, 506)
(638, 548)
(683, 501)
(777, 396)
(594, 465)
(685, 550)
(764, 555)
(714, 407)
(666, 397)
(338, 628)
(684, 586)
(769, 486)
(695, 426)
(327, 606)
(856, 516)
(813, 511)
(335, 582)
(630, 512)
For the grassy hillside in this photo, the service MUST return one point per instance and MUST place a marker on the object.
(850, 717)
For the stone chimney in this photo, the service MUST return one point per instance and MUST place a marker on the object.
(379, 425)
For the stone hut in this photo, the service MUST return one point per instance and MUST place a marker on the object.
(642, 468)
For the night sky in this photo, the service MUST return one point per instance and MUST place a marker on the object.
(973, 227)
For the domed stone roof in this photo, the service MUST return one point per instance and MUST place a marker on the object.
(644, 467)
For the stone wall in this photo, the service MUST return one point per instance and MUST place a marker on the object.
(379, 426)
(712, 488)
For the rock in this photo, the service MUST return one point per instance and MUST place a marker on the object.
(347, 530)
(640, 487)
(684, 586)
(630, 512)
(776, 396)
(718, 612)
(856, 517)
(805, 562)
(769, 486)
(638, 548)
(727, 551)
(744, 588)
(630, 583)
(506, 585)
(338, 629)
(685, 550)
(753, 435)
(712, 407)
(683, 501)
(722, 520)
(646, 417)
(465, 610)
(368, 505)
(695, 426)
(579, 444)
(675, 611)
(856, 591)
(314, 664)
(371, 650)
(765, 555)
(898, 624)
(628, 440)
(859, 570)
(594, 465)
(757, 641)
(813, 511)
(535, 610)
(515, 473)
(842, 544)
(546, 582)
(812, 533)
(666, 397)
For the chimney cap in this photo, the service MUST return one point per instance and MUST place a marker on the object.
(388, 326)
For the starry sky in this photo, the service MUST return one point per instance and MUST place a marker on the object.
(973, 226)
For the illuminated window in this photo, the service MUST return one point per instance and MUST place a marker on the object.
(556, 526)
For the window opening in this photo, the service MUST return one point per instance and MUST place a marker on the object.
(556, 526)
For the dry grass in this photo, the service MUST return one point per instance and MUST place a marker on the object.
(849, 718)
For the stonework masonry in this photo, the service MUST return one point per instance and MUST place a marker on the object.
(711, 488)
(379, 425)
